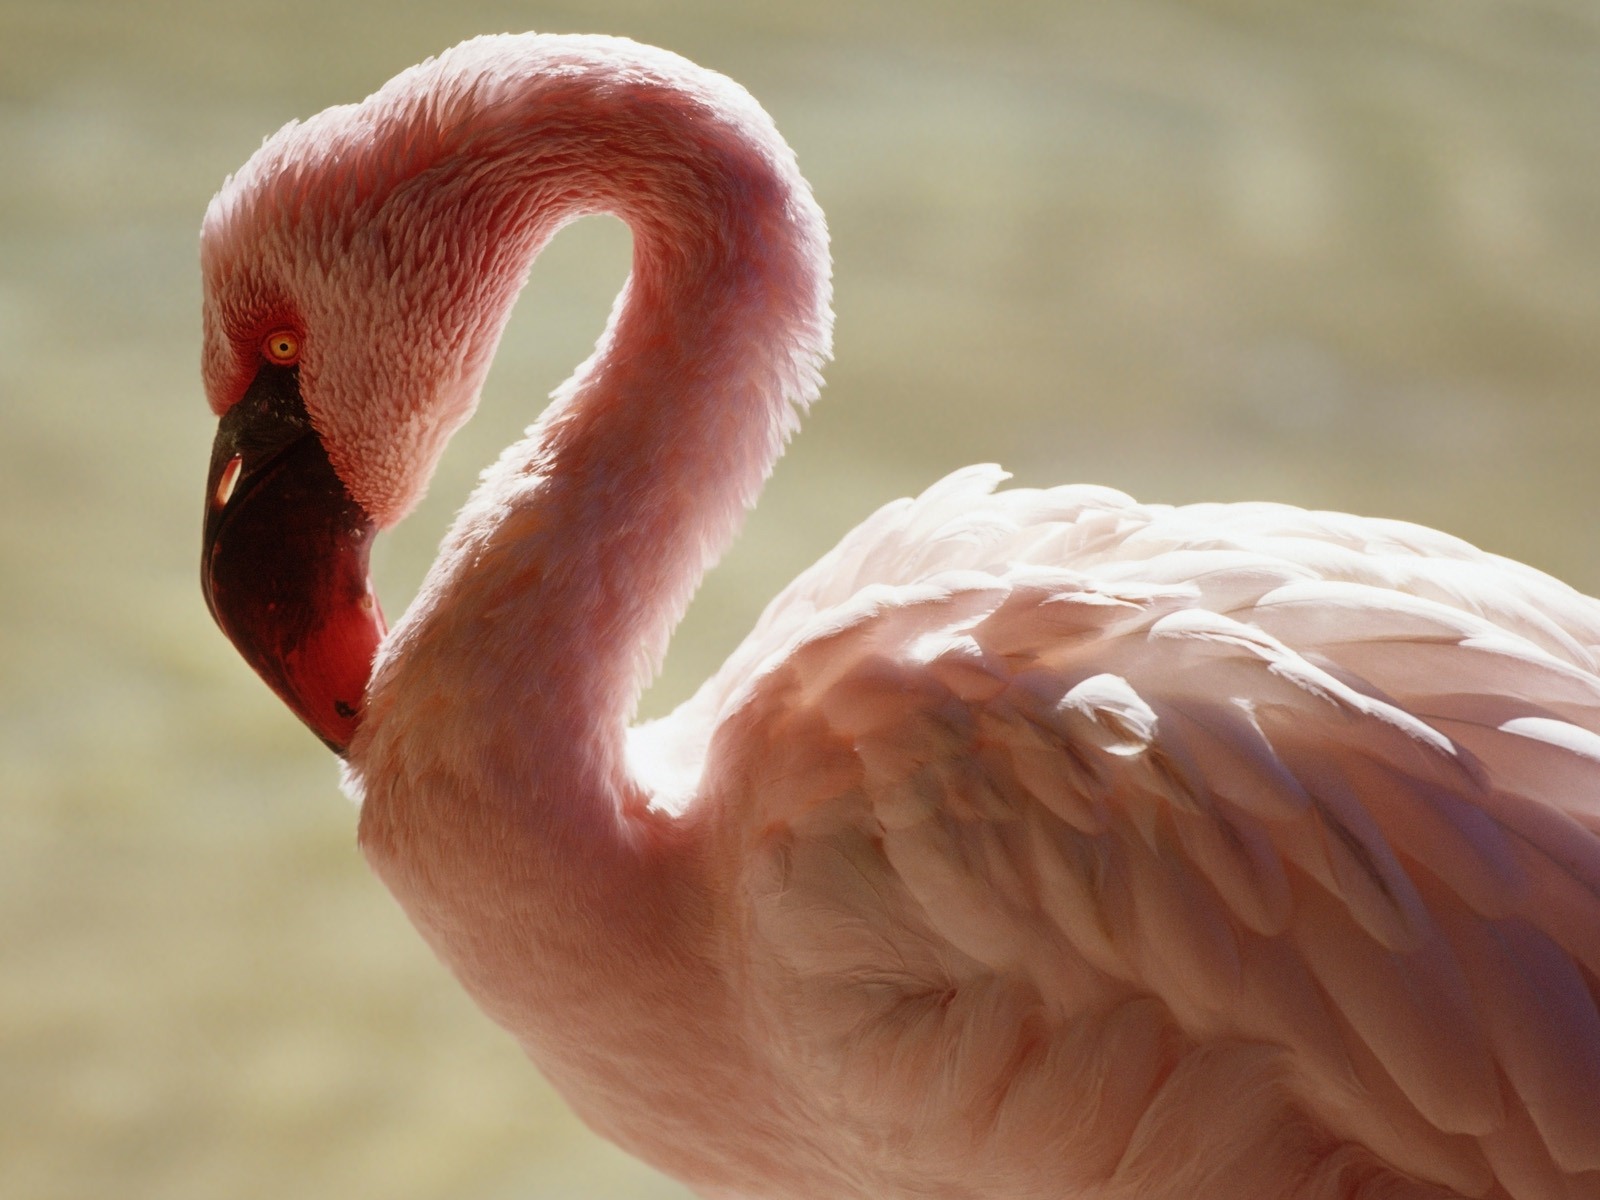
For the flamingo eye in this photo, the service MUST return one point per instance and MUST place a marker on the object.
(282, 346)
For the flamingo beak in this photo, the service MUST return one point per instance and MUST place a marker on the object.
(284, 568)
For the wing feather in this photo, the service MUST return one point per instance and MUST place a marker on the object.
(1317, 798)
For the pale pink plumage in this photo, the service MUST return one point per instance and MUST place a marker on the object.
(1036, 843)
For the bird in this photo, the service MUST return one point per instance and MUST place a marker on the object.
(1037, 844)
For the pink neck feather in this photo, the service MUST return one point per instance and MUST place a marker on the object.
(496, 802)
(584, 543)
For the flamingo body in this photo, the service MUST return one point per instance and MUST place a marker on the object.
(1036, 844)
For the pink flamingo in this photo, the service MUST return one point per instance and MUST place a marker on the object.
(1035, 844)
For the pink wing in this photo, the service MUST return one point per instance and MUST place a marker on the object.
(1196, 842)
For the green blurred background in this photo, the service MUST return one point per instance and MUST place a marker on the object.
(1342, 254)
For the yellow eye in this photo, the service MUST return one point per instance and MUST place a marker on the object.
(282, 346)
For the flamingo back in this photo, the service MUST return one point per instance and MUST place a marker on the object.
(1228, 849)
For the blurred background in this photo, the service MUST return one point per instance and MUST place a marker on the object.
(1345, 255)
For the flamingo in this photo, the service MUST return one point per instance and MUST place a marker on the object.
(1036, 843)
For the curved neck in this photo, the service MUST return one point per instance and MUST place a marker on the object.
(496, 803)
(583, 544)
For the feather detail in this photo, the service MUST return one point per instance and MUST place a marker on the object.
(1334, 818)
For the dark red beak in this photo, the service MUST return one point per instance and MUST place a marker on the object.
(285, 563)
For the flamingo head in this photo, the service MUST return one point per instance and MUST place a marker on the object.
(284, 565)
(343, 346)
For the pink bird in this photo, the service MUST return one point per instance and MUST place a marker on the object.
(1036, 844)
